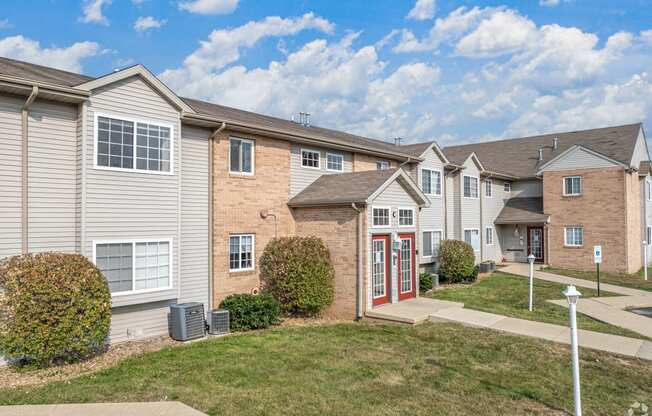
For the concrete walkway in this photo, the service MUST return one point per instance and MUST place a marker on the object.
(411, 311)
(103, 409)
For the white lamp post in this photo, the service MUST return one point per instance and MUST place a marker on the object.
(645, 259)
(572, 295)
(530, 259)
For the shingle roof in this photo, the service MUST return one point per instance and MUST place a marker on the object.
(417, 149)
(645, 167)
(41, 73)
(342, 188)
(522, 211)
(519, 157)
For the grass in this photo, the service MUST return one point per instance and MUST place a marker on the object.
(506, 294)
(633, 281)
(362, 369)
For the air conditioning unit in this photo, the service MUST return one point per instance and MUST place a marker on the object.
(187, 321)
(218, 322)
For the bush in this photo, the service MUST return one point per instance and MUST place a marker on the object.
(456, 262)
(248, 312)
(298, 272)
(425, 282)
(54, 308)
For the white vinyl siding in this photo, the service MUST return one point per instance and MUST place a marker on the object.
(241, 252)
(472, 237)
(406, 217)
(380, 216)
(310, 159)
(573, 236)
(572, 185)
(489, 236)
(470, 187)
(241, 156)
(382, 165)
(10, 175)
(334, 162)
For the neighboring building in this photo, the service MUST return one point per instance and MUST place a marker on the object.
(175, 199)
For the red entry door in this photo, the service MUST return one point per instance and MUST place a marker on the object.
(380, 269)
(406, 272)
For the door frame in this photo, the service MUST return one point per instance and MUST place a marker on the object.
(413, 292)
(543, 242)
(381, 300)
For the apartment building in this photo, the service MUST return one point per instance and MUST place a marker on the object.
(175, 199)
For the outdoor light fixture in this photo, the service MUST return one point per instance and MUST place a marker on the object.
(572, 295)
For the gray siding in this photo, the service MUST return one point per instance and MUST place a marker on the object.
(301, 177)
(579, 159)
(469, 207)
(139, 321)
(432, 217)
(491, 207)
(527, 189)
(640, 151)
(10, 176)
(452, 205)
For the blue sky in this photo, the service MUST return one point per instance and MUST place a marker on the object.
(454, 71)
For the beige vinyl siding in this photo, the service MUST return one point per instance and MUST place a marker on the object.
(469, 207)
(142, 320)
(452, 205)
(640, 151)
(194, 215)
(432, 217)
(10, 175)
(579, 159)
(491, 207)
(301, 177)
(526, 189)
(52, 190)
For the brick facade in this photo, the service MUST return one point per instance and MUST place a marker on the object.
(337, 227)
(362, 162)
(609, 212)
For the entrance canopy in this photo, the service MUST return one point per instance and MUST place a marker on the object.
(522, 211)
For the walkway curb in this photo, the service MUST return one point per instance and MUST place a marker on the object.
(103, 409)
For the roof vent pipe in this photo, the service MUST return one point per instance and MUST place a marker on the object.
(555, 143)
(540, 154)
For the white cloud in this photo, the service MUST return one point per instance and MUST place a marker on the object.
(145, 23)
(549, 3)
(423, 10)
(207, 7)
(21, 48)
(93, 12)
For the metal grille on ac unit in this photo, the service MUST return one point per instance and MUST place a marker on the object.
(218, 322)
(187, 321)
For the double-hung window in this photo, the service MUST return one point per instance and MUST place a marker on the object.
(648, 234)
(241, 158)
(648, 190)
(472, 238)
(489, 236)
(507, 187)
(470, 187)
(488, 188)
(573, 236)
(431, 242)
(310, 159)
(380, 217)
(116, 148)
(133, 266)
(382, 165)
(572, 185)
(241, 252)
(334, 162)
(405, 217)
(431, 182)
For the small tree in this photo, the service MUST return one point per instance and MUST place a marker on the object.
(456, 261)
(299, 273)
(54, 308)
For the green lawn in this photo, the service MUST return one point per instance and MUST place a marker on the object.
(506, 294)
(362, 369)
(634, 281)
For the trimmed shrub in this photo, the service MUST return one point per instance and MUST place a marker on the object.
(54, 308)
(299, 273)
(248, 312)
(456, 262)
(425, 282)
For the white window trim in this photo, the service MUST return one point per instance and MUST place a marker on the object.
(478, 186)
(333, 154)
(133, 262)
(563, 184)
(318, 167)
(253, 252)
(432, 231)
(389, 216)
(648, 233)
(398, 217)
(433, 188)
(648, 190)
(97, 115)
(507, 187)
(479, 238)
(490, 184)
(253, 157)
(566, 236)
(384, 163)
(492, 236)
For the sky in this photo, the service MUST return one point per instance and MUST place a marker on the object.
(451, 71)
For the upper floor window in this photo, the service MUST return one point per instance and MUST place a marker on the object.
(488, 188)
(573, 236)
(334, 162)
(470, 187)
(310, 159)
(241, 157)
(380, 217)
(405, 217)
(431, 182)
(507, 187)
(382, 165)
(241, 252)
(152, 150)
(572, 185)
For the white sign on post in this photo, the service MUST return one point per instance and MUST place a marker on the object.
(597, 254)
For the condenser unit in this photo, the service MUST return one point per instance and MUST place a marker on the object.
(218, 322)
(187, 321)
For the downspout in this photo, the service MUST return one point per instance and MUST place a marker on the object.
(359, 250)
(211, 214)
(24, 114)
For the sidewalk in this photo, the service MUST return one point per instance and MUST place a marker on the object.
(103, 409)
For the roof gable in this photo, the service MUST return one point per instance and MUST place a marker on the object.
(419, 150)
(578, 157)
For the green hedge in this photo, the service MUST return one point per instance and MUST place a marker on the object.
(425, 282)
(456, 262)
(55, 308)
(248, 312)
(299, 273)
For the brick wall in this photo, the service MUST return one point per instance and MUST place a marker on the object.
(238, 201)
(337, 227)
(601, 210)
(634, 222)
